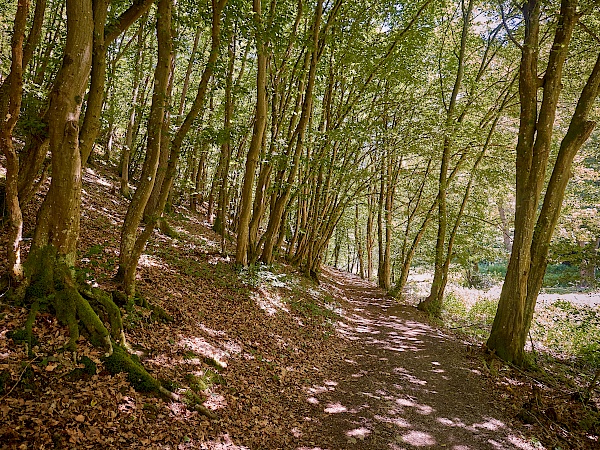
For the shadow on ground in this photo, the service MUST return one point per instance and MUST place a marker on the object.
(402, 384)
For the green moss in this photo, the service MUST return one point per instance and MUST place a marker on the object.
(213, 363)
(169, 385)
(5, 380)
(121, 361)
(120, 298)
(100, 300)
(89, 368)
(20, 337)
(213, 377)
(192, 399)
(204, 382)
(188, 354)
(160, 314)
(166, 229)
(197, 384)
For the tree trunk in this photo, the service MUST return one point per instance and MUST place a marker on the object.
(433, 303)
(260, 122)
(129, 141)
(530, 245)
(127, 262)
(11, 94)
(505, 228)
(102, 39)
(276, 216)
(359, 244)
(162, 188)
(220, 225)
(53, 255)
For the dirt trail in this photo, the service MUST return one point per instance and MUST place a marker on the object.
(401, 384)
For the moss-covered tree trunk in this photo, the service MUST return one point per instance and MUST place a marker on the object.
(52, 258)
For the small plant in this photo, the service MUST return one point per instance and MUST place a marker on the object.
(192, 399)
(475, 320)
(197, 384)
(205, 381)
(483, 311)
(454, 307)
(169, 385)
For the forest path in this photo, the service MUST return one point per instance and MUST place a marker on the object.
(401, 384)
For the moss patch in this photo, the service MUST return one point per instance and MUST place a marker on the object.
(140, 379)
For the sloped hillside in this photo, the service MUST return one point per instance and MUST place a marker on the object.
(244, 342)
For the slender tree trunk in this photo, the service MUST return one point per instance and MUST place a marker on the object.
(127, 262)
(11, 94)
(260, 122)
(91, 122)
(276, 216)
(129, 141)
(188, 72)
(505, 228)
(370, 238)
(433, 303)
(359, 244)
(53, 255)
(220, 225)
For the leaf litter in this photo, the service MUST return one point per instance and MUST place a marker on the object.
(283, 362)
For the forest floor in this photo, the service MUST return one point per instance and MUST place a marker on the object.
(284, 362)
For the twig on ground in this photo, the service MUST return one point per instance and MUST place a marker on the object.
(478, 324)
(20, 378)
(533, 348)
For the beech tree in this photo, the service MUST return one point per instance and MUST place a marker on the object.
(130, 245)
(53, 255)
(538, 111)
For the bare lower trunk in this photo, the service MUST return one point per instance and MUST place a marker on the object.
(532, 237)
(155, 126)
(11, 93)
(260, 122)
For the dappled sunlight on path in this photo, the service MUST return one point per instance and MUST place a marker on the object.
(402, 384)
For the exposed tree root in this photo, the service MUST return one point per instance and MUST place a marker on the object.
(51, 285)
(197, 406)
(166, 228)
(98, 298)
(141, 380)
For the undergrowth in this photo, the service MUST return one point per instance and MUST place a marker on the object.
(566, 330)
(569, 330)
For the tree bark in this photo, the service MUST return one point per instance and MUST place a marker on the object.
(53, 255)
(11, 94)
(433, 303)
(103, 36)
(280, 205)
(127, 262)
(260, 122)
(530, 245)
(129, 141)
